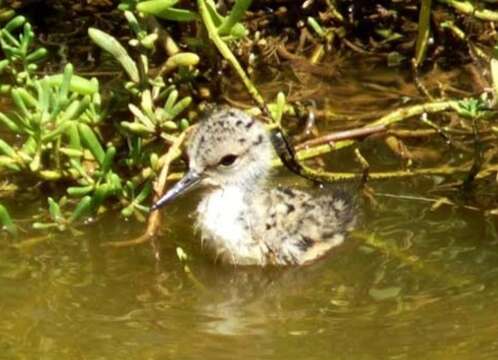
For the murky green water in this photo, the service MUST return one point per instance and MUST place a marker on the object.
(68, 298)
(423, 286)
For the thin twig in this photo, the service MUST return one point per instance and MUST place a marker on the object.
(391, 118)
(341, 135)
(154, 221)
(468, 8)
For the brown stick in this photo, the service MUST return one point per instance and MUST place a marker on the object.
(342, 135)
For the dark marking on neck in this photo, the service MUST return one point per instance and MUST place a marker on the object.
(288, 192)
(290, 208)
(250, 123)
(259, 140)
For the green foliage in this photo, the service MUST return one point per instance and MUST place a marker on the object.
(6, 221)
(151, 120)
(156, 113)
(165, 9)
(60, 124)
(136, 206)
(229, 27)
(62, 220)
(57, 121)
(49, 119)
(472, 108)
(111, 45)
(16, 41)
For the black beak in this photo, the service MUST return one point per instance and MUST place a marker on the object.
(187, 183)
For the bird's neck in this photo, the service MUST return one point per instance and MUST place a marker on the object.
(225, 219)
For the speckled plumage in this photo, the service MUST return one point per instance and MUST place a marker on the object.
(241, 217)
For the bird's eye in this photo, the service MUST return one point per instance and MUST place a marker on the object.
(228, 160)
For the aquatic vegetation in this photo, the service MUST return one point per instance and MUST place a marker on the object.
(60, 117)
(6, 221)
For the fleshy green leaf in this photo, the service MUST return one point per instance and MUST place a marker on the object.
(112, 46)
(7, 222)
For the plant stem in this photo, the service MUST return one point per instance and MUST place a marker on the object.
(424, 29)
(341, 135)
(154, 220)
(226, 53)
(468, 8)
(236, 14)
(391, 118)
(385, 175)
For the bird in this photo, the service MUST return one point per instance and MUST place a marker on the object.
(244, 219)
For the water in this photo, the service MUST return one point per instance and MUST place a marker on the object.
(428, 292)
(413, 283)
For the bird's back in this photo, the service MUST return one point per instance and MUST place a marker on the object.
(300, 226)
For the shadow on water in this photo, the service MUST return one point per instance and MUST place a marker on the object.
(422, 286)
